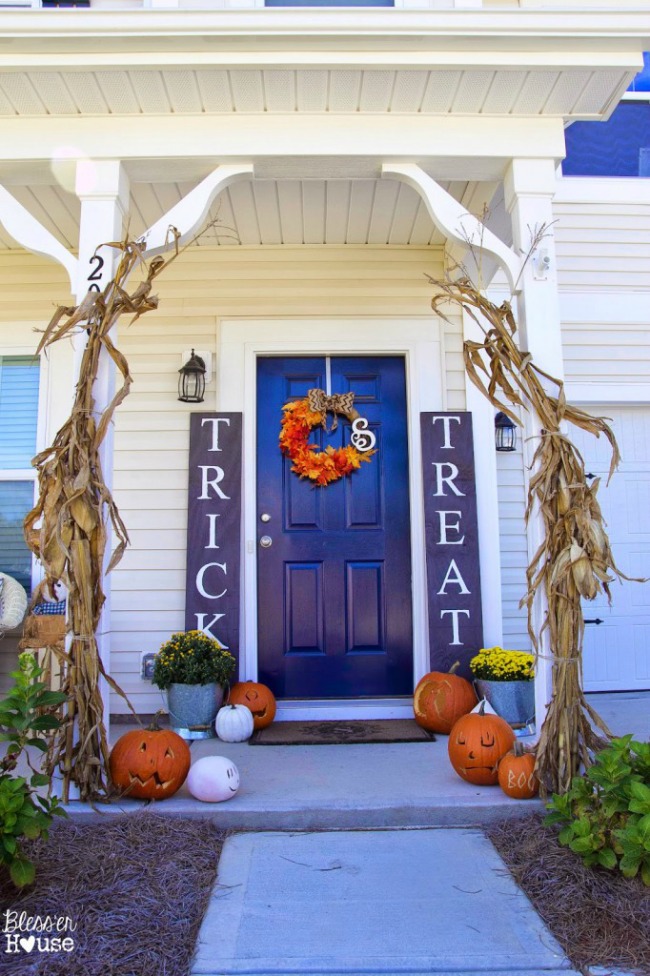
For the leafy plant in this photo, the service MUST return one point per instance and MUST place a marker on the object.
(192, 658)
(25, 714)
(606, 812)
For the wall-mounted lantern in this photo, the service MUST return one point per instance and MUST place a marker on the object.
(505, 433)
(191, 380)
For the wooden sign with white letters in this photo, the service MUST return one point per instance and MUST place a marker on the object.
(214, 527)
(451, 531)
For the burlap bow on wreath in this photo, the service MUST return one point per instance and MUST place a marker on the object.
(338, 403)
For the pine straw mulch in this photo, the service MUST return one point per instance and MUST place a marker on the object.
(599, 917)
(136, 886)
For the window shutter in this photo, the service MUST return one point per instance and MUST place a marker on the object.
(18, 410)
(19, 379)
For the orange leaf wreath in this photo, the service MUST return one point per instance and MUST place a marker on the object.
(321, 467)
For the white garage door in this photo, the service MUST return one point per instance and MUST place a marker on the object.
(617, 652)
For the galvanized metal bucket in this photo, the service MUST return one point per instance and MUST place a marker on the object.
(512, 700)
(193, 709)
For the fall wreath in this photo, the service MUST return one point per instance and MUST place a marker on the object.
(323, 467)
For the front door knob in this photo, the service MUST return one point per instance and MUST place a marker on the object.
(266, 541)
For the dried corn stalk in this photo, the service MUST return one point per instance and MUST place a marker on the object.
(67, 527)
(574, 561)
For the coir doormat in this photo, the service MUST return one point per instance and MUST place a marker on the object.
(340, 733)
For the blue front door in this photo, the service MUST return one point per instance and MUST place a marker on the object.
(334, 585)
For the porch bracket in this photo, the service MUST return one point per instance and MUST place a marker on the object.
(453, 220)
(30, 234)
(188, 215)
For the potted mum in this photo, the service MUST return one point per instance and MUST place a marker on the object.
(194, 669)
(505, 678)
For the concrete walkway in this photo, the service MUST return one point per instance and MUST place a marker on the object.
(373, 902)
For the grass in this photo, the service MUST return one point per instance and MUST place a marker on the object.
(136, 887)
(599, 917)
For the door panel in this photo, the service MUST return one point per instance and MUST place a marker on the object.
(335, 585)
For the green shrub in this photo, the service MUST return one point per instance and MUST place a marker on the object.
(606, 813)
(25, 714)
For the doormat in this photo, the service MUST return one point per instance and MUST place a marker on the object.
(338, 733)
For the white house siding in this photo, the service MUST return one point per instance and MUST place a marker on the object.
(514, 551)
(151, 440)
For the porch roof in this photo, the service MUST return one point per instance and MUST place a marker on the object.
(316, 98)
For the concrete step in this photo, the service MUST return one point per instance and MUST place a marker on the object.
(340, 787)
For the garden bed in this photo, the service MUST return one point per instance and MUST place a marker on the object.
(599, 917)
(136, 887)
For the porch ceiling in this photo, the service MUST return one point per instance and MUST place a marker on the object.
(512, 90)
(267, 212)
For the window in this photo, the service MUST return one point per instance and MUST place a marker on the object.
(618, 147)
(19, 382)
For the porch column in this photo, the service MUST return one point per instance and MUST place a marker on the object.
(103, 189)
(529, 191)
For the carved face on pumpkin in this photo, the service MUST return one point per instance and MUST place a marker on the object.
(150, 765)
(258, 698)
(476, 744)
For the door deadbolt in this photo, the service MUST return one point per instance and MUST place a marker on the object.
(265, 517)
(266, 541)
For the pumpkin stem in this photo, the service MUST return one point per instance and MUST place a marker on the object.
(454, 668)
(481, 707)
(155, 725)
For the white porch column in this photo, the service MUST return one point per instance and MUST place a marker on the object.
(103, 188)
(529, 191)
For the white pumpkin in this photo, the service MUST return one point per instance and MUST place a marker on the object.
(234, 723)
(484, 707)
(213, 779)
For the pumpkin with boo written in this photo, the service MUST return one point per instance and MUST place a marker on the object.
(440, 699)
(234, 723)
(476, 744)
(517, 774)
(149, 764)
(258, 698)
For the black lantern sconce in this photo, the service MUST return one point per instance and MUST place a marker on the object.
(191, 380)
(505, 433)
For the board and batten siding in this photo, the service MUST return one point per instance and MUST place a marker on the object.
(151, 439)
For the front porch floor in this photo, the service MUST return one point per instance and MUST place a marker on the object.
(360, 786)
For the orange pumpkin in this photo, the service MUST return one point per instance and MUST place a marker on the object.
(258, 698)
(440, 699)
(476, 744)
(517, 774)
(149, 764)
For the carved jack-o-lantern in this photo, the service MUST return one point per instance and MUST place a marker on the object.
(517, 774)
(149, 764)
(476, 744)
(440, 699)
(258, 698)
